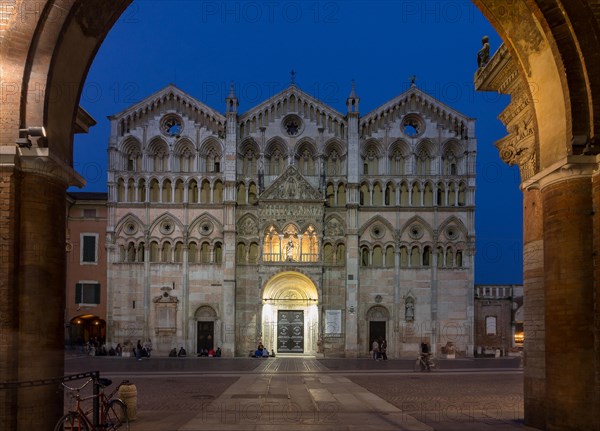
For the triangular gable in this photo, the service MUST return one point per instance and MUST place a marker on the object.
(291, 185)
(421, 98)
(162, 96)
(292, 90)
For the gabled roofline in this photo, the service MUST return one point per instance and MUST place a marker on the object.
(156, 95)
(413, 90)
(291, 89)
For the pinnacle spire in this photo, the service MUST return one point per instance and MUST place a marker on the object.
(352, 92)
(231, 90)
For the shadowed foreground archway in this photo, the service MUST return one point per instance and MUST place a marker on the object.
(47, 47)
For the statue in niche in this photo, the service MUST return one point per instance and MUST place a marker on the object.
(289, 249)
(483, 56)
(409, 310)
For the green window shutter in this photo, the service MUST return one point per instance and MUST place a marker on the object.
(78, 289)
(97, 293)
(89, 248)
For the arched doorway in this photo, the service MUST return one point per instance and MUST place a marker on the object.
(86, 327)
(208, 333)
(556, 44)
(290, 316)
(377, 321)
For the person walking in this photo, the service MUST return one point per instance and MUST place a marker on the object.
(383, 349)
(375, 348)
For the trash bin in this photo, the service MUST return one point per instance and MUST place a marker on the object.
(128, 394)
(497, 353)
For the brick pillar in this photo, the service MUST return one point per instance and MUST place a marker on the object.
(41, 287)
(534, 376)
(9, 308)
(569, 285)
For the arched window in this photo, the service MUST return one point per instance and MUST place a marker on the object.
(389, 257)
(403, 257)
(241, 194)
(459, 258)
(154, 252)
(415, 257)
(141, 252)
(131, 252)
(205, 192)
(428, 195)
(142, 190)
(205, 253)
(131, 190)
(449, 258)
(340, 255)
(364, 256)
(452, 195)
(423, 163)
(397, 163)
(377, 256)
(179, 191)
(427, 256)
(166, 191)
(462, 189)
(218, 193)
(404, 195)
(253, 253)
(179, 252)
(165, 255)
(341, 195)
(328, 254)
(193, 253)
(218, 252)
(415, 200)
(365, 197)
(377, 195)
(193, 192)
(330, 195)
(390, 195)
(121, 190)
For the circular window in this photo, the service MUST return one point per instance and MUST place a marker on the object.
(415, 231)
(130, 228)
(167, 227)
(413, 126)
(451, 232)
(292, 125)
(205, 228)
(377, 231)
(378, 299)
(171, 125)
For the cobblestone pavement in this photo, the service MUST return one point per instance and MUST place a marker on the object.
(308, 394)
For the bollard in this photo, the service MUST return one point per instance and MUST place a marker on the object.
(128, 394)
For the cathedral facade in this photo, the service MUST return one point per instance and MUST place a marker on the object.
(294, 225)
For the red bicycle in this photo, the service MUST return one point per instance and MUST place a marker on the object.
(112, 415)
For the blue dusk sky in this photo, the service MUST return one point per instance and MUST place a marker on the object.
(200, 46)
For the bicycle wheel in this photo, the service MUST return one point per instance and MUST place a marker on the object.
(115, 416)
(72, 421)
(418, 365)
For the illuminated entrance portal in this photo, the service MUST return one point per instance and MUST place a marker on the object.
(290, 317)
(290, 331)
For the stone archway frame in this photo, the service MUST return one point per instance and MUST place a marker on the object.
(48, 51)
(290, 290)
(206, 313)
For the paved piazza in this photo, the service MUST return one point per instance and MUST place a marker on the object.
(308, 394)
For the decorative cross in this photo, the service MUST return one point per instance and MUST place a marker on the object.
(413, 79)
(293, 77)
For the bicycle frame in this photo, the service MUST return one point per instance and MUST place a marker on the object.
(102, 403)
